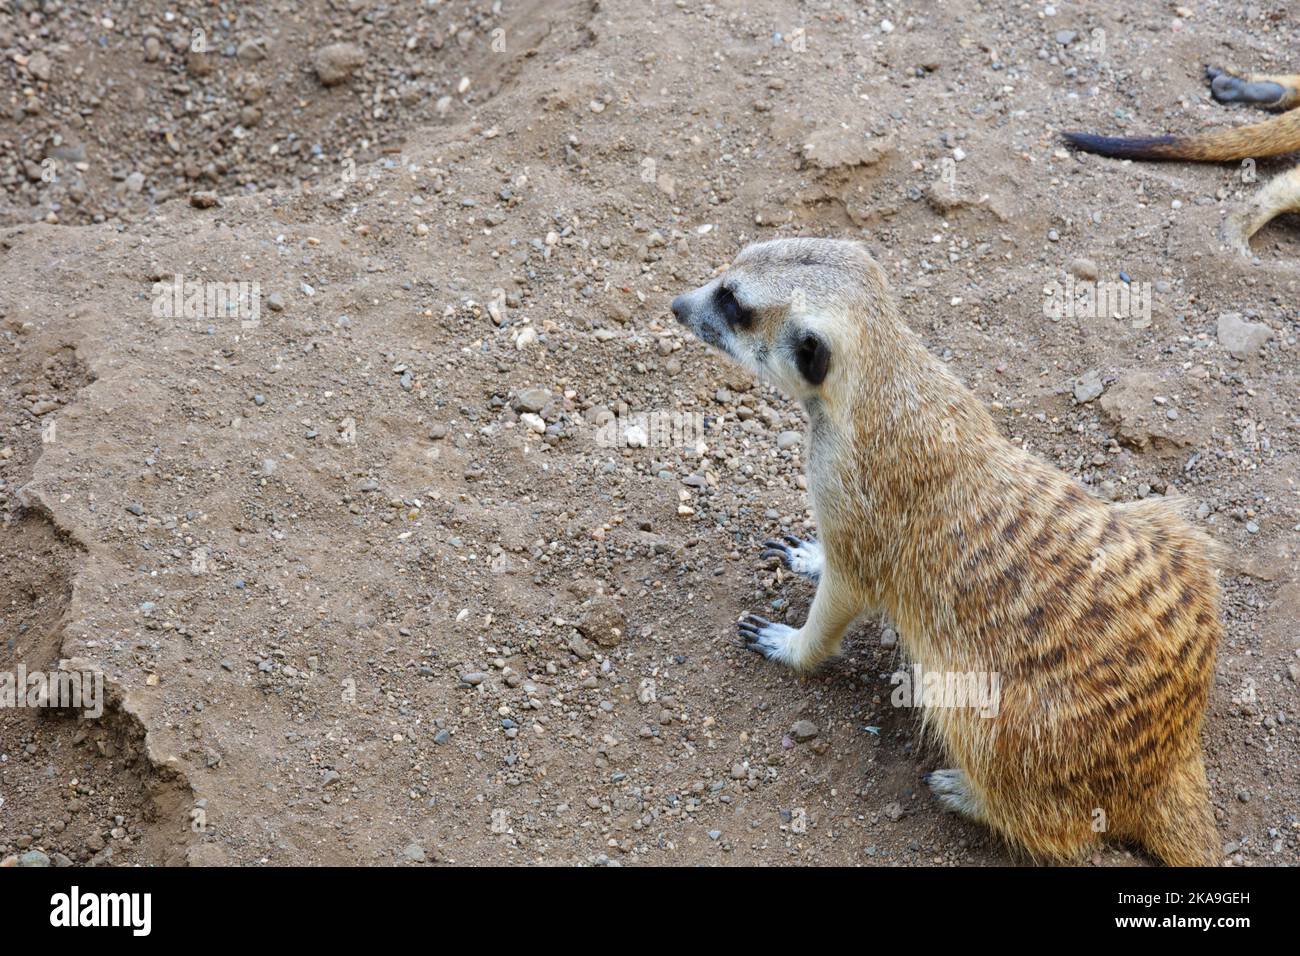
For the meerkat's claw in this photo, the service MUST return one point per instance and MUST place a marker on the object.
(804, 558)
(767, 638)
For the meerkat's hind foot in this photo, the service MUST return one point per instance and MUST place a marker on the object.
(1274, 92)
(804, 558)
(952, 787)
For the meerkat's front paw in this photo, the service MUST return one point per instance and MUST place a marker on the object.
(774, 641)
(804, 558)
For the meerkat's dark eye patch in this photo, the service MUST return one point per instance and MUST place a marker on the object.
(735, 314)
(812, 356)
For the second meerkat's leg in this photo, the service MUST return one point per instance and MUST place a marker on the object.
(1281, 194)
(833, 609)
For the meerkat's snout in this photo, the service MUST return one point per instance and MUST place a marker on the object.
(709, 312)
(680, 309)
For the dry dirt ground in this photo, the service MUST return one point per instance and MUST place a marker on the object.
(367, 582)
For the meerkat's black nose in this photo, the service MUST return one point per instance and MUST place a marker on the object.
(679, 308)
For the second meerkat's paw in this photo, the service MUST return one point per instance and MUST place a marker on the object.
(802, 557)
(1276, 92)
(772, 640)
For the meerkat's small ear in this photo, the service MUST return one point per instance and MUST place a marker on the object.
(812, 357)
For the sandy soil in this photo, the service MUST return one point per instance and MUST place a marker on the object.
(366, 581)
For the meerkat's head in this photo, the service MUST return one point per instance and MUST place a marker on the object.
(797, 312)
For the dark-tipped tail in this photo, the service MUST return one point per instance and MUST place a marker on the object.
(1124, 147)
(1273, 137)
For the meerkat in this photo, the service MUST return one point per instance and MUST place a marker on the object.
(1273, 137)
(1101, 619)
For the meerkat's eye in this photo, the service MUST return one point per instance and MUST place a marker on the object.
(732, 311)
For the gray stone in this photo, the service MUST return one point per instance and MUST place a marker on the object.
(532, 399)
(335, 64)
(602, 621)
(804, 730)
(1242, 339)
(39, 66)
(1084, 269)
(1088, 387)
